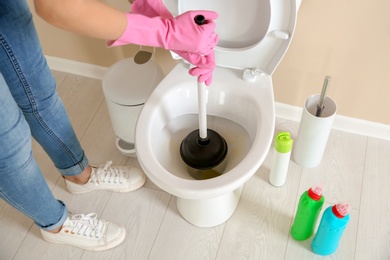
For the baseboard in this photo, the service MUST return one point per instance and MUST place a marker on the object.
(342, 123)
(283, 111)
(76, 67)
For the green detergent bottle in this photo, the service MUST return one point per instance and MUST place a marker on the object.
(309, 208)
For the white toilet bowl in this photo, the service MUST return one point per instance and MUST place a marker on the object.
(240, 107)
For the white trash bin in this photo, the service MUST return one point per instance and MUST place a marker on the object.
(126, 87)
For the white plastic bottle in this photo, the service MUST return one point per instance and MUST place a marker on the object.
(280, 159)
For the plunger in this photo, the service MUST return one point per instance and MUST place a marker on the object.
(203, 148)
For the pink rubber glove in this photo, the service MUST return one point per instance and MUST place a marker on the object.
(204, 68)
(150, 8)
(204, 64)
(180, 33)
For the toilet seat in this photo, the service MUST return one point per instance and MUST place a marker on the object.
(259, 42)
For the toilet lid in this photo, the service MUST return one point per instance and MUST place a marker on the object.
(129, 84)
(252, 33)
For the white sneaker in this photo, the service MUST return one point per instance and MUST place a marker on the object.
(87, 232)
(105, 177)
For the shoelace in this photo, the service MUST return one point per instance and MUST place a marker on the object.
(105, 173)
(86, 225)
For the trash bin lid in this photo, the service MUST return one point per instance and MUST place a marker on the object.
(130, 84)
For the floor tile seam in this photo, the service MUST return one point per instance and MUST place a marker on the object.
(61, 83)
(161, 222)
(361, 196)
(297, 196)
(91, 121)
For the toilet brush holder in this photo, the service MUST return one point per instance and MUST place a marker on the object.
(313, 131)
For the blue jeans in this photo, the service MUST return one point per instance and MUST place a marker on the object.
(30, 106)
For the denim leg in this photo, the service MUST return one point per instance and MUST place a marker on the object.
(21, 182)
(29, 104)
(33, 87)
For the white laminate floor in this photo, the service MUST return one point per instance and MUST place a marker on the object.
(355, 169)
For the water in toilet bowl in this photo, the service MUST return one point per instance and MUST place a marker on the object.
(166, 146)
(198, 174)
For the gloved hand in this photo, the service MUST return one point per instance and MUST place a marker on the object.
(204, 64)
(180, 33)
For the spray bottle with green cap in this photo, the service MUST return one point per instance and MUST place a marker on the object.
(309, 208)
(280, 159)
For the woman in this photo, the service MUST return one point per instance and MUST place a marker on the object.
(30, 106)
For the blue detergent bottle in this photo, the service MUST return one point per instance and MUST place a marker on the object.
(331, 228)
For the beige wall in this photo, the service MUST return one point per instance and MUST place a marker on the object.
(346, 39)
(60, 43)
(350, 41)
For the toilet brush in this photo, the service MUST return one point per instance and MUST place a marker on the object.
(203, 149)
(320, 105)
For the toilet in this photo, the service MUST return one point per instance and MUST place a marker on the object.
(253, 38)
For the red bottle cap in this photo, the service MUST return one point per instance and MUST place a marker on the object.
(315, 193)
(340, 210)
